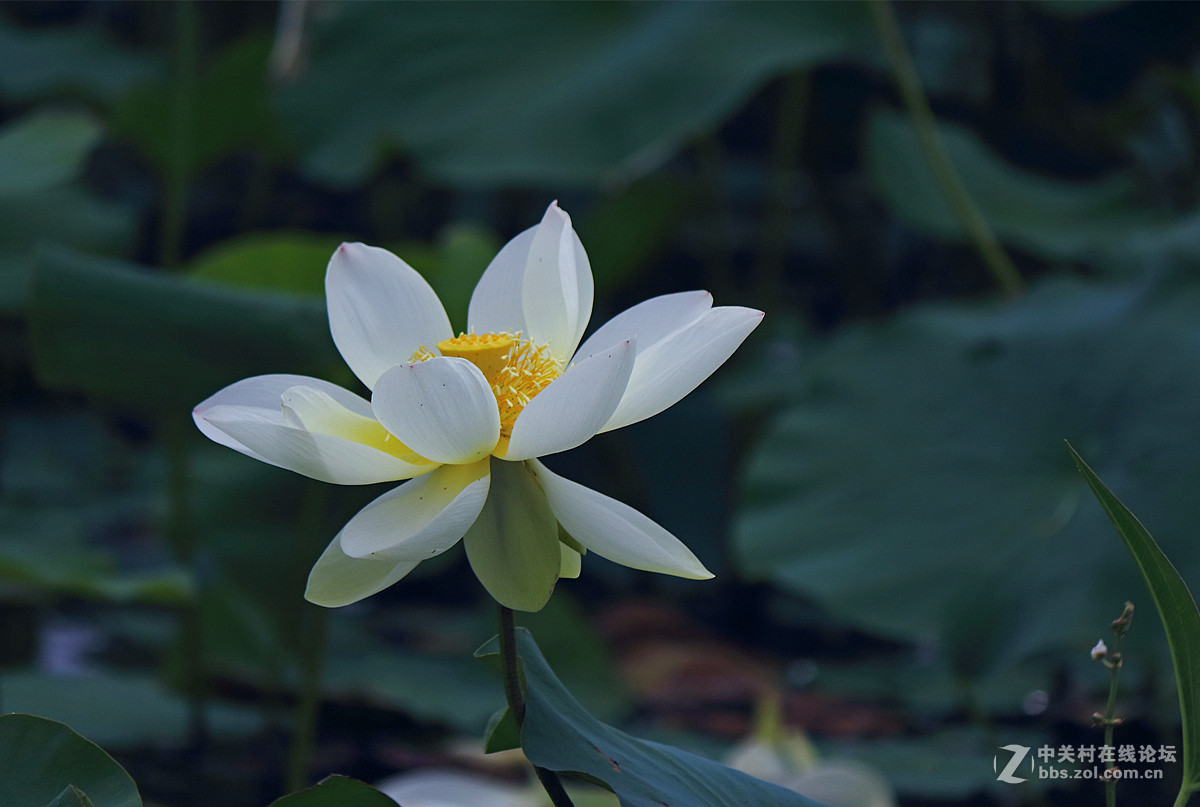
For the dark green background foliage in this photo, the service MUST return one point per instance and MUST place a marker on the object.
(878, 477)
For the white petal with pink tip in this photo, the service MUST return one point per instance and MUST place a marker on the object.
(540, 283)
(380, 310)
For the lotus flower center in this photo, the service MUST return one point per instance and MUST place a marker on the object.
(516, 369)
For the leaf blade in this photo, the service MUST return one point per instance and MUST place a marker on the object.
(44, 758)
(119, 333)
(561, 735)
(1176, 607)
(336, 791)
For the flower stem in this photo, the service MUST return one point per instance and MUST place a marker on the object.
(508, 657)
(1114, 662)
(516, 702)
(969, 217)
(1110, 790)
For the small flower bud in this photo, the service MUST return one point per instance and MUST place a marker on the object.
(1121, 624)
(1100, 650)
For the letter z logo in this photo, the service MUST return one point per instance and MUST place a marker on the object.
(1018, 756)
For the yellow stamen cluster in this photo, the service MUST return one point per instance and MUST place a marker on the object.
(527, 371)
(422, 354)
(515, 368)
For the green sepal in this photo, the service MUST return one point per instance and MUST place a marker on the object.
(570, 541)
(513, 545)
(503, 733)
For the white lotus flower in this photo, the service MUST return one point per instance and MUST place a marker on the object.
(466, 417)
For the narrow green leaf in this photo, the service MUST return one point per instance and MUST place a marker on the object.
(1176, 607)
(336, 791)
(41, 759)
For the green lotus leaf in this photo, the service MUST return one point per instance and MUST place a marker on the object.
(915, 482)
(547, 92)
(45, 763)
